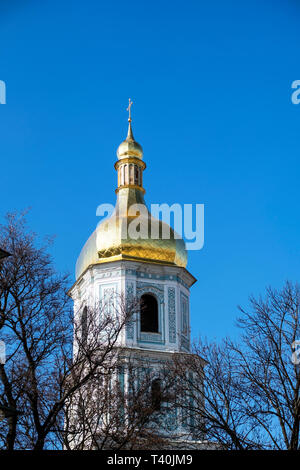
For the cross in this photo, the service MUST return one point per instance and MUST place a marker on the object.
(129, 110)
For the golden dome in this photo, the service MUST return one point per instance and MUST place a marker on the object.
(129, 147)
(114, 238)
(108, 243)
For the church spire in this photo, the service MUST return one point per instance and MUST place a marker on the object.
(130, 165)
(129, 133)
(129, 147)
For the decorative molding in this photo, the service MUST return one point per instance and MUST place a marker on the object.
(185, 327)
(172, 314)
(185, 344)
(156, 289)
(107, 295)
(108, 298)
(156, 277)
(130, 323)
(151, 337)
(107, 274)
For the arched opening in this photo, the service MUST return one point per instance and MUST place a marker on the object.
(156, 394)
(149, 314)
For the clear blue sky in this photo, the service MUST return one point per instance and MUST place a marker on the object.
(211, 84)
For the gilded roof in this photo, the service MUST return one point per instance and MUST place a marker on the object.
(128, 235)
(112, 240)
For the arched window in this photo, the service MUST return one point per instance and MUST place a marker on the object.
(84, 326)
(156, 394)
(149, 314)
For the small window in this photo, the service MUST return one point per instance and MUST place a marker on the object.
(156, 394)
(84, 326)
(136, 175)
(149, 314)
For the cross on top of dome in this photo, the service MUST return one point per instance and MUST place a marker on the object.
(129, 109)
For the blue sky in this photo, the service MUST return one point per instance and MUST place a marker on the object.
(211, 84)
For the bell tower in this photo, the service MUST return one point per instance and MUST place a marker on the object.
(114, 262)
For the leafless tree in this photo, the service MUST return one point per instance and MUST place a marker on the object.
(63, 372)
(125, 409)
(270, 374)
(210, 398)
(75, 386)
(245, 394)
(42, 371)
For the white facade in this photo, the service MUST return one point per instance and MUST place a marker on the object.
(110, 268)
(168, 284)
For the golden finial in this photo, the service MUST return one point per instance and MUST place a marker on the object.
(129, 147)
(129, 109)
